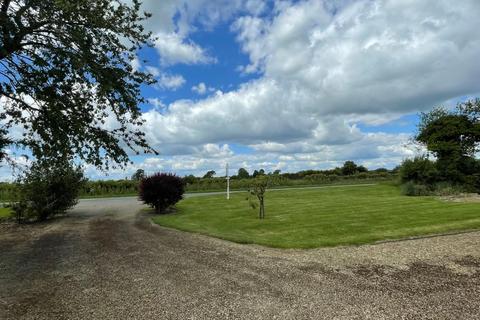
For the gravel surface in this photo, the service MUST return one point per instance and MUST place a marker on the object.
(106, 261)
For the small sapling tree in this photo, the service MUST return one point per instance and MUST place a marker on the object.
(161, 190)
(257, 189)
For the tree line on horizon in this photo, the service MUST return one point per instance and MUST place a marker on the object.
(349, 168)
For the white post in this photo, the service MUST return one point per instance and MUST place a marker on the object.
(228, 182)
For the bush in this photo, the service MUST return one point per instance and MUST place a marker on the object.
(48, 189)
(448, 189)
(472, 183)
(412, 189)
(161, 190)
(420, 171)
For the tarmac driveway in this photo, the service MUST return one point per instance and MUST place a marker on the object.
(107, 261)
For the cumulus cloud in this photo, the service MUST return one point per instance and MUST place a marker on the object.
(371, 59)
(174, 20)
(157, 104)
(172, 82)
(371, 56)
(164, 80)
(201, 88)
(325, 67)
(173, 49)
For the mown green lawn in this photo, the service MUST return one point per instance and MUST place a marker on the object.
(322, 217)
(5, 213)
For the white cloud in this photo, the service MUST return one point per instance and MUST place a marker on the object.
(165, 80)
(211, 150)
(174, 20)
(173, 49)
(322, 73)
(154, 71)
(371, 57)
(157, 104)
(171, 82)
(201, 88)
(372, 61)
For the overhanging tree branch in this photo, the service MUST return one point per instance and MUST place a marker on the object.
(70, 58)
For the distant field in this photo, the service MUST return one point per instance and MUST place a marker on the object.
(322, 217)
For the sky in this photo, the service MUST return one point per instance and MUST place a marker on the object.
(296, 85)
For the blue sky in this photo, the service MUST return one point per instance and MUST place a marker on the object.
(296, 85)
(221, 75)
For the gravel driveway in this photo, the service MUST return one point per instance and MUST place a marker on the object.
(105, 261)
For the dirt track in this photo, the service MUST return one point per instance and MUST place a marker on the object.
(105, 261)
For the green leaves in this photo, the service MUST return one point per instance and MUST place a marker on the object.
(453, 137)
(48, 189)
(65, 73)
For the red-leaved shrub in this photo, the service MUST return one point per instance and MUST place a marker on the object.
(161, 190)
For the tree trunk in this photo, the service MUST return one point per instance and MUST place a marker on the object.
(262, 209)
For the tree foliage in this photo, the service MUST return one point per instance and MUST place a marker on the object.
(66, 70)
(349, 168)
(419, 170)
(453, 137)
(190, 179)
(161, 190)
(138, 175)
(48, 189)
(257, 173)
(209, 174)
(243, 173)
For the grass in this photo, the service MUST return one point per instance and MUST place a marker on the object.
(312, 218)
(5, 213)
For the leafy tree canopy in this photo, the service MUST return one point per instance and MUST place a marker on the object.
(209, 174)
(138, 175)
(257, 173)
(65, 69)
(349, 168)
(445, 132)
(243, 173)
(453, 137)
